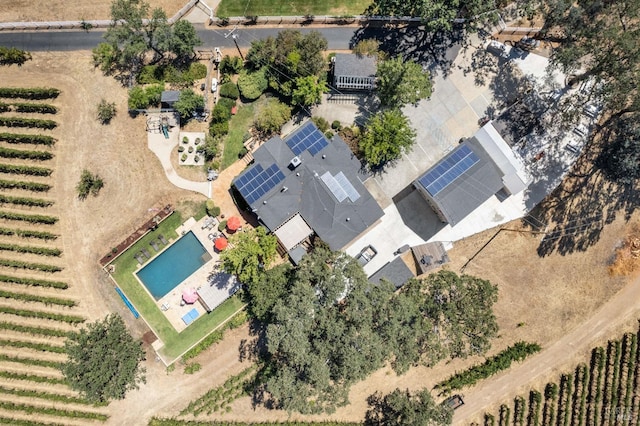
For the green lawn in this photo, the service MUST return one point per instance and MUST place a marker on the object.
(175, 343)
(238, 127)
(291, 7)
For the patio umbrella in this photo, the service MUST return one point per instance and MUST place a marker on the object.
(221, 243)
(234, 223)
(189, 295)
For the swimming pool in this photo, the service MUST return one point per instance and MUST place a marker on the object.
(173, 265)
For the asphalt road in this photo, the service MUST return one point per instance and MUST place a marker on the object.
(61, 40)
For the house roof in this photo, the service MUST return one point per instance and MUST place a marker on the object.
(276, 191)
(169, 96)
(349, 64)
(395, 271)
(462, 180)
(220, 287)
(293, 232)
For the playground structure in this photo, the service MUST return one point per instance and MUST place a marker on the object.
(161, 124)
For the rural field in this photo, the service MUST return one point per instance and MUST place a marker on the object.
(541, 299)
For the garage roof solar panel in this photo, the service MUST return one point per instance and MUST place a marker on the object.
(448, 170)
(256, 182)
(307, 138)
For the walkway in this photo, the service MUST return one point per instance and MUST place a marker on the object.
(163, 148)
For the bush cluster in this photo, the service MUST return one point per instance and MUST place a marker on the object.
(231, 64)
(168, 73)
(220, 117)
(29, 93)
(27, 122)
(31, 139)
(89, 184)
(229, 90)
(13, 55)
(143, 98)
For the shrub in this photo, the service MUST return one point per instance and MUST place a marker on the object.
(154, 93)
(27, 122)
(25, 201)
(196, 159)
(89, 184)
(229, 90)
(321, 124)
(243, 151)
(212, 209)
(222, 226)
(192, 368)
(335, 125)
(28, 234)
(253, 84)
(190, 150)
(180, 148)
(220, 113)
(197, 70)
(272, 116)
(185, 140)
(25, 155)
(13, 55)
(227, 103)
(231, 64)
(150, 74)
(28, 186)
(32, 139)
(106, 111)
(188, 103)
(18, 264)
(219, 129)
(31, 218)
(33, 282)
(184, 157)
(210, 148)
(138, 98)
(328, 134)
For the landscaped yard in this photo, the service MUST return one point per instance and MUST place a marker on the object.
(238, 127)
(174, 343)
(294, 7)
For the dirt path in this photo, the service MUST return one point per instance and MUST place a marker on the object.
(609, 321)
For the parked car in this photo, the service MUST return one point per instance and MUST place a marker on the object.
(366, 255)
(214, 85)
(454, 401)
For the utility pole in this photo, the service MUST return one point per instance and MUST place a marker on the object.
(234, 37)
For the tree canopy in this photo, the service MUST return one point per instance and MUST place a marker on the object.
(249, 254)
(328, 327)
(399, 82)
(271, 117)
(103, 360)
(128, 39)
(288, 56)
(402, 408)
(188, 103)
(388, 134)
(308, 91)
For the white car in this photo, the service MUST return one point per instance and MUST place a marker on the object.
(214, 85)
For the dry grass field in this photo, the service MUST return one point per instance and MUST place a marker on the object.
(70, 10)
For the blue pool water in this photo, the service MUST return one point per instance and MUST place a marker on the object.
(173, 266)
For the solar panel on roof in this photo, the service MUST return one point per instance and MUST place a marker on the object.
(307, 138)
(347, 187)
(448, 170)
(256, 182)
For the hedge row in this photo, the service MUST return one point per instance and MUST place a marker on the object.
(25, 233)
(20, 422)
(33, 282)
(38, 108)
(498, 362)
(25, 297)
(25, 155)
(19, 264)
(18, 169)
(30, 393)
(29, 361)
(32, 218)
(34, 409)
(32, 378)
(71, 319)
(4, 107)
(28, 186)
(155, 421)
(32, 139)
(28, 122)
(29, 93)
(42, 347)
(43, 251)
(29, 329)
(25, 201)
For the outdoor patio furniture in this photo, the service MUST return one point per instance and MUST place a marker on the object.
(146, 253)
(163, 239)
(154, 245)
(140, 258)
(212, 237)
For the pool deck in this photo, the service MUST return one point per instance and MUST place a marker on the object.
(172, 304)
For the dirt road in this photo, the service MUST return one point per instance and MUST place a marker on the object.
(610, 321)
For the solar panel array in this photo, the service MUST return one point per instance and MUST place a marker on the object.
(256, 182)
(340, 187)
(308, 138)
(448, 170)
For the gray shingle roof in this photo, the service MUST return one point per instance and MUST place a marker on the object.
(336, 223)
(169, 96)
(352, 65)
(395, 271)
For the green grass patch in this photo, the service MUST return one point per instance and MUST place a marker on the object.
(292, 8)
(238, 126)
(175, 344)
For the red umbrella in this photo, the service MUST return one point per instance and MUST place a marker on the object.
(221, 243)
(234, 223)
(189, 295)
